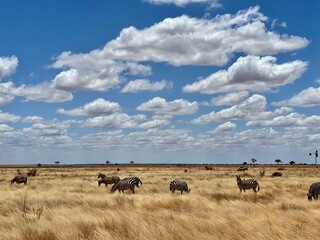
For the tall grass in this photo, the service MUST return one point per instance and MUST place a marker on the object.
(66, 203)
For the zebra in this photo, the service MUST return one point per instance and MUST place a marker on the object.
(247, 184)
(123, 185)
(135, 180)
(208, 168)
(314, 191)
(108, 180)
(20, 179)
(180, 186)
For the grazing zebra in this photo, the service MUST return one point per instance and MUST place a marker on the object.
(108, 180)
(179, 185)
(314, 191)
(135, 180)
(20, 179)
(123, 185)
(208, 168)
(247, 184)
(32, 172)
(242, 169)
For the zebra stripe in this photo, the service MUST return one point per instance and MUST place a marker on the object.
(180, 186)
(314, 191)
(123, 185)
(247, 184)
(134, 180)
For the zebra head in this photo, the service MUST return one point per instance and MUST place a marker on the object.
(238, 179)
(101, 175)
(114, 187)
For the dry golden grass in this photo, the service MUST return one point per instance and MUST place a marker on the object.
(66, 203)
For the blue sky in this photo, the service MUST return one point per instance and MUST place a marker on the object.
(159, 81)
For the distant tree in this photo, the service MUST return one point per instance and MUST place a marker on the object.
(132, 162)
(39, 164)
(277, 161)
(253, 161)
(244, 163)
(292, 163)
(57, 162)
(107, 162)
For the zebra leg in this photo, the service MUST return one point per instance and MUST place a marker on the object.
(132, 189)
(181, 192)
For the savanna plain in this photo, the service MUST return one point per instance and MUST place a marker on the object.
(65, 202)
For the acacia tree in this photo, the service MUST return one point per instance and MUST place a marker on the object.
(57, 162)
(277, 161)
(107, 162)
(253, 160)
(132, 162)
(292, 163)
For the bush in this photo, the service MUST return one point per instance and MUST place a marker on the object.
(29, 233)
(276, 174)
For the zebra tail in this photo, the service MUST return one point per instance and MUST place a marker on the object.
(140, 181)
(258, 187)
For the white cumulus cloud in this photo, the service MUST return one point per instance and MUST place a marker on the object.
(182, 3)
(8, 117)
(309, 97)
(97, 107)
(8, 66)
(140, 85)
(42, 92)
(115, 120)
(92, 71)
(161, 106)
(250, 73)
(252, 108)
(190, 41)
